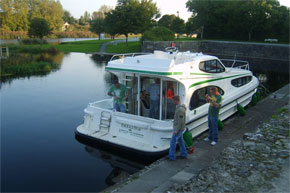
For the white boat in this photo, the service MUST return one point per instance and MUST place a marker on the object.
(190, 75)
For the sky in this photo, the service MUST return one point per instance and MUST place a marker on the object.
(77, 7)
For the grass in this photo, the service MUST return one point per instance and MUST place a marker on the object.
(122, 47)
(82, 46)
(77, 46)
(21, 65)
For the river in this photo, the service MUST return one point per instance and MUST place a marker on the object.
(39, 115)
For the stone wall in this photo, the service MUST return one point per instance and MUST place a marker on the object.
(259, 55)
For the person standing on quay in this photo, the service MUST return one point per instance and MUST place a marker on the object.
(213, 113)
(178, 127)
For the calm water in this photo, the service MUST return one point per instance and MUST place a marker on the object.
(39, 115)
(38, 118)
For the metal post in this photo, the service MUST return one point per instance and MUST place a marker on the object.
(161, 96)
(138, 95)
(7, 52)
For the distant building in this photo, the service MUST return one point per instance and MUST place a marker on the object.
(65, 26)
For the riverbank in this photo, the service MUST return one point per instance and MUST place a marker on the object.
(78, 46)
(163, 175)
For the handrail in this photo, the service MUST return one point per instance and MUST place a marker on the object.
(127, 55)
(239, 64)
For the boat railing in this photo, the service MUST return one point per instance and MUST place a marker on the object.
(239, 64)
(121, 56)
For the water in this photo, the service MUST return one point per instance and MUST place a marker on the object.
(39, 115)
(38, 118)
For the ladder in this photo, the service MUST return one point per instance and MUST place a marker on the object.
(105, 120)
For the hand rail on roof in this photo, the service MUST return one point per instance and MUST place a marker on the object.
(118, 56)
(239, 64)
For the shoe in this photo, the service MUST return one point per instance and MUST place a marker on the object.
(182, 157)
(213, 143)
(206, 139)
(170, 159)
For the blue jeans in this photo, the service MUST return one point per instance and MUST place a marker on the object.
(179, 137)
(213, 128)
(120, 107)
(154, 109)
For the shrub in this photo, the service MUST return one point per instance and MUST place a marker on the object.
(158, 34)
(33, 41)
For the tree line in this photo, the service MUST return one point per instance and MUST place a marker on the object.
(17, 14)
(211, 19)
(239, 20)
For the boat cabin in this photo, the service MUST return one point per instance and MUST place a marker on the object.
(170, 70)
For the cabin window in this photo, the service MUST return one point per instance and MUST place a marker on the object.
(238, 82)
(198, 97)
(211, 66)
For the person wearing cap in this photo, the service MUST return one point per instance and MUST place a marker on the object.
(120, 94)
(178, 127)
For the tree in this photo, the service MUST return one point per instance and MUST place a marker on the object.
(178, 26)
(50, 10)
(67, 17)
(158, 34)
(15, 15)
(98, 20)
(98, 26)
(101, 13)
(250, 20)
(132, 16)
(166, 21)
(39, 27)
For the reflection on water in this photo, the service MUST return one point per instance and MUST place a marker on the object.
(122, 167)
(19, 65)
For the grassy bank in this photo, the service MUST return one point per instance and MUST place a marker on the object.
(122, 47)
(22, 65)
(77, 46)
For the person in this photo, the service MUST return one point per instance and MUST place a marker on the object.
(213, 113)
(178, 127)
(154, 91)
(170, 105)
(120, 94)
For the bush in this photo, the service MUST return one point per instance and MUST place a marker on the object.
(158, 34)
(33, 41)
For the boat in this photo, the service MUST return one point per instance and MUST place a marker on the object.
(189, 75)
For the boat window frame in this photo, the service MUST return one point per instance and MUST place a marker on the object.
(217, 62)
(242, 82)
(194, 94)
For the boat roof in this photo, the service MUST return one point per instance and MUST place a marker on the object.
(159, 62)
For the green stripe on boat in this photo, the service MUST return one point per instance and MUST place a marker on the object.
(212, 80)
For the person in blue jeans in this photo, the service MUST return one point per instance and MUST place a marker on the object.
(213, 114)
(178, 127)
(154, 91)
(120, 94)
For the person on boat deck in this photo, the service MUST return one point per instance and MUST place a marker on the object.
(120, 94)
(154, 91)
(213, 113)
(178, 127)
(170, 105)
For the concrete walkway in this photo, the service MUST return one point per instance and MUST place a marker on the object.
(165, 174)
